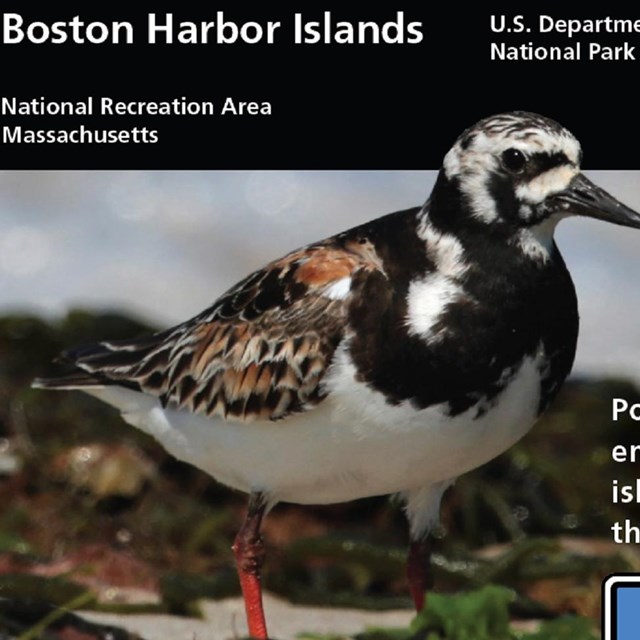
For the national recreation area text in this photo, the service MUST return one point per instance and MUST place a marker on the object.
(22, 116)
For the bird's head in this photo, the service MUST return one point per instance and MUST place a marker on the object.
(519, 171)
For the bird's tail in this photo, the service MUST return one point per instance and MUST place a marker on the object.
(73, 380)
(121, 362)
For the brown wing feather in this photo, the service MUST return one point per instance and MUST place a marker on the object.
(259, 352)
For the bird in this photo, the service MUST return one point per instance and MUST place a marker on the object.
(390, 358)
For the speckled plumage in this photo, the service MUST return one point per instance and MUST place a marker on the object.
(389, 358)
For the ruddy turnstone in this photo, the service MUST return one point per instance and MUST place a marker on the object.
(390, 358)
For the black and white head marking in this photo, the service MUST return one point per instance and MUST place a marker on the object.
(507, 167)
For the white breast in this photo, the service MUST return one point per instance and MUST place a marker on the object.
(354, 444)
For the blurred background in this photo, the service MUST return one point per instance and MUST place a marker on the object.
(89, 507)
(162, 245)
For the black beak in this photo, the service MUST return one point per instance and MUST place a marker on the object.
(584, 198)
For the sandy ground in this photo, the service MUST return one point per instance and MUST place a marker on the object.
(225, 620)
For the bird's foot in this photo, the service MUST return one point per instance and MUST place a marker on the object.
(418, 573)
(248, 549)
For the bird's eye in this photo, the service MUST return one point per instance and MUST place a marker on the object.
(514, 160)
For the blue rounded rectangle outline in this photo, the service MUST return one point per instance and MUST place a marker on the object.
(621, 597)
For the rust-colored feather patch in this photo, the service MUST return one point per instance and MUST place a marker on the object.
(261, 351)
(325, 266)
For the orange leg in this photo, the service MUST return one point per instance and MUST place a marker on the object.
(249, 552)
(418, 574)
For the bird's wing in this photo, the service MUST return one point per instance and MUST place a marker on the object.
(259, 352)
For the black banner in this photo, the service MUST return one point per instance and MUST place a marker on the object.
(320, 87)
